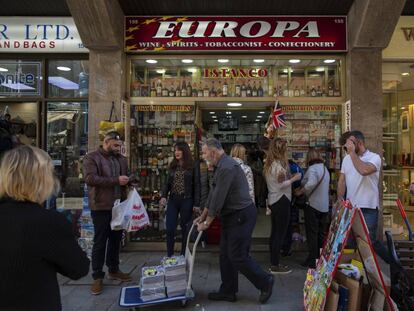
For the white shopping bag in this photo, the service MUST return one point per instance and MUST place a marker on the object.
(130, 214)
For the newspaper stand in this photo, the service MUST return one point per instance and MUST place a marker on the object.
(318, 281)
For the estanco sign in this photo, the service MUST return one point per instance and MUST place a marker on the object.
(231, 33)
(39, 34)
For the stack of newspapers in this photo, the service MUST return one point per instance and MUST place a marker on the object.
(175, 275)
(152, 283)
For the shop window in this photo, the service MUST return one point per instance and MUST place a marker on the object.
(236, 78)
(20, 78)
(21, 122)
(68, 78)
(67, 143)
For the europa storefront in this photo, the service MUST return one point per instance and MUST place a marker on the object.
(197, 77)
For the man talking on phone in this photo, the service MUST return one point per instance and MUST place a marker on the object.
(359, 178)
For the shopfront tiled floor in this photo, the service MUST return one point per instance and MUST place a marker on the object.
(287, 293)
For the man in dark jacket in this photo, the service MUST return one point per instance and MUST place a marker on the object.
(105, 172)
(229, 198)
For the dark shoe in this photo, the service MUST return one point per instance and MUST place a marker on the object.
(97, 287)
(217, 296)
(267, 292)
(120, 276)
(280, 269)
(308, 264)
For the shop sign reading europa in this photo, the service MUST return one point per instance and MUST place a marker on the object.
(233, 33)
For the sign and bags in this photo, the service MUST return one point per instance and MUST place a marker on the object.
(39, 35)
(235, 33)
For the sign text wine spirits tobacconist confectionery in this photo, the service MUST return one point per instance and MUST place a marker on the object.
(235, 33)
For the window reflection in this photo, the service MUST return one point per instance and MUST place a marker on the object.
(68, 78)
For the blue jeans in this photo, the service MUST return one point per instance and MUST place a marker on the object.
(371, 219)
(183, 207)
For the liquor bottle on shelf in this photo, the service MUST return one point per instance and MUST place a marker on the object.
(206, 92)
(164, 92)
(219, 90)
(297, 92)
(213, 92)
(171, 93)
(200, 91)
(254, 89)
(243, 90)
(337, 92)
(194, 91)
(313, 91)
(324, 92)
(153, 91)
(177, 90)
(159, 88)
(225, 89)
(237, 90)
(319, 91)
(302, 91)
(189, 89)
(260, 91)
(151, 118)
(330, 91)
(280, 91)
(149, 137)
(183, 89)
(160, 157)
(285, 91)
(144, 137)
(249, 89)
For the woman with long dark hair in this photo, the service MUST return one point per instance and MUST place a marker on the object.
(279, 181)
(183, 192)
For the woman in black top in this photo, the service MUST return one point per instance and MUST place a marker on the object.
(35, 243)
(183, 192)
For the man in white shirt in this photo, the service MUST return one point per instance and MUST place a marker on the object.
(360, 179)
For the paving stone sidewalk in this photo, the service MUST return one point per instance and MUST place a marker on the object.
(287, 291)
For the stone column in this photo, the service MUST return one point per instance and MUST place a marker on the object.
(371, 24)
(100, 24)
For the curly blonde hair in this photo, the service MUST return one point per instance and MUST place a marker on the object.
(277, 152)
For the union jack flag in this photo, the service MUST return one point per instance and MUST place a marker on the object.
(278, 116)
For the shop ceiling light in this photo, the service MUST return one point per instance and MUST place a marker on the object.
(320, 69)
(262, 112)
(212, 112)
(223, 60)
(151, 61)
(214, 117)
(329, 61)
(402, 108)
(160, 71)
(3, 69)
(228, 112)
(192, 70)
(294, 61)
(257, 120)
(244, 117)
(187, 61)
(405, 74)
(63, 68)
(215, 120)
(259, 117)
(285, 70)
(258, 61)
(234, 104)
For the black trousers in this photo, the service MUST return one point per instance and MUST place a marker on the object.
(183, 207)
(280, 223)
(236, 235)
(105, 242)
(315, 226)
